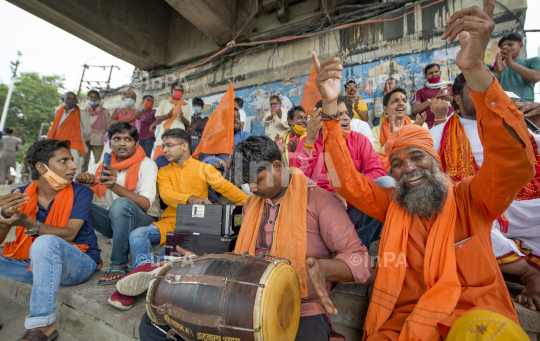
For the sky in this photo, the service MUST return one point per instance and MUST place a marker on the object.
(41, 45)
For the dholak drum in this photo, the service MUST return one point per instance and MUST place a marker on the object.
(227, 297)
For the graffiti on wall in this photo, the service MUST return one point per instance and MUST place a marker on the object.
(370, 77)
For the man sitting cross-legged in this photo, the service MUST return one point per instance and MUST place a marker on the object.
(184, 181)
(290, 217)
(129, 189)
(55, 243)
(515, 235)
(450, 285)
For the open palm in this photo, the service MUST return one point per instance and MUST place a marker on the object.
(328, 78)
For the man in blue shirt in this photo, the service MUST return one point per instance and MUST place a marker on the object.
(515, 74)
(57, 253)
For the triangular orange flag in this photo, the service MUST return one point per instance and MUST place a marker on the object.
(310, 95)
(218, 134)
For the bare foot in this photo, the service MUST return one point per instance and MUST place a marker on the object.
(100, 265)
(530, 296)
(114, 275)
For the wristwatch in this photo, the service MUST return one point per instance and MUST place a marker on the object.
(33, 230)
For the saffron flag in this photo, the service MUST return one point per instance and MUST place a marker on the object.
(218, 135)
(310, 95)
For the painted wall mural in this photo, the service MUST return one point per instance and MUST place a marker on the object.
(370, 77)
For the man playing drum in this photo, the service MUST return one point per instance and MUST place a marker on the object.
(290, 217)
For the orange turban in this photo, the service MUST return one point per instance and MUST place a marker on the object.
(408, 136)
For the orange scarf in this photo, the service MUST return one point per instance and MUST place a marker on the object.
(69, 130)
(132, 176)
(177, 106)
(58, 216)
(290, 231)
(385, 128)
(440, 273)
(458, 160)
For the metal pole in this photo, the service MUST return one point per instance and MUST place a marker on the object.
(109, 80)
(10, 92)
(82, 77)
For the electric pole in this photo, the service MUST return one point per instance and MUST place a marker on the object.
(14, 67)
(98, 82)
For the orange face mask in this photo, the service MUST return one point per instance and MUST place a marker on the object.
(148, 105)
(56, 181)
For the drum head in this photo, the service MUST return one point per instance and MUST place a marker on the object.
(280, 305)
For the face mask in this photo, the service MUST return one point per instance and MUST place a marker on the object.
(56, 181)
(70, 104)
(148, 105)
(299, 130)
(129, 102)
(197, 110)
(434, 80)
(94, 102)
(177, 95)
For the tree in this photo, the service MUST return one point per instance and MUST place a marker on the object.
(32, 103)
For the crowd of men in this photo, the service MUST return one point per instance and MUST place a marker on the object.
(447, 179)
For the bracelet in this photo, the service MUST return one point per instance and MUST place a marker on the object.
(309, 146)
(441, 119)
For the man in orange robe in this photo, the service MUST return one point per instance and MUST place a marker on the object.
(435, 257)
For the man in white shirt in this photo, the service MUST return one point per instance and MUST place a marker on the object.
(165, 113)
(129, 187)
(239, 104)
(275, 119)
(515, 237)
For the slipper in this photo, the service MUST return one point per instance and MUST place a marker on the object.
(37, 335)
(113, 281)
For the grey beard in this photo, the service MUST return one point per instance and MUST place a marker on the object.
(426, 200)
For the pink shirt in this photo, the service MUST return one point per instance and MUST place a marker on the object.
(329, 232)
(361, 150)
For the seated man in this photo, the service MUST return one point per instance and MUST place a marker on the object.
(275, 119)
(129, 189)
(443, 229)
(184, 181)
(310, 160)
(289, 143)
(318, 238)
(395, 107)
(378, 111)
(55, 243)
(515, 236)
(359, 107)
(198, 123)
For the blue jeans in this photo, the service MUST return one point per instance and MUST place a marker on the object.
(117, 223)
(367, 228)
(54, 262)
(141, 241)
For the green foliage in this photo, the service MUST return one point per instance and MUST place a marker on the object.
(33, 102)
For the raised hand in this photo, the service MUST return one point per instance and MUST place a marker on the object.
(12, 201)
(280, 143)
(439, 107)
(421, 118)
(500, 64)
(86, 179)
(313, 127)
(292, 145)
(328, 78)
(394, 124)
(109, 175)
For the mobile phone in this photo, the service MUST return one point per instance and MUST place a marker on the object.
(107, 159)
(513, 96)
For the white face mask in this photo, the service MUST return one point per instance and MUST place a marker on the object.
(129, 102)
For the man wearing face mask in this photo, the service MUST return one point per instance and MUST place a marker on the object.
(148, 117)
(288, 143)
(99, 120)
(196, 128)
(55, 243)
(129, 189)
(70, 125)
(435, 88)
(173, 112)
(275, 119)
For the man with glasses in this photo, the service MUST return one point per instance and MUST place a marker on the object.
(184, 181)
(129, 188)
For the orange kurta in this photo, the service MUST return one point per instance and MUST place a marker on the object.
(479, 200)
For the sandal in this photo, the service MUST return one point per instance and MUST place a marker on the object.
(113, 281)
(37, 335)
